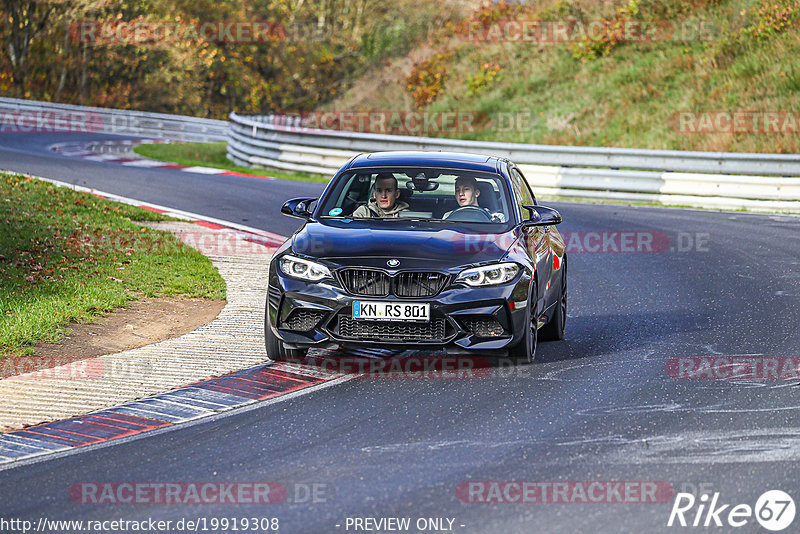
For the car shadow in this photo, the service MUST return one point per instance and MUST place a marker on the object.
(587, 337)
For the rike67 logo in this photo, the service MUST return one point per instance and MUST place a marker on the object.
(774, 510)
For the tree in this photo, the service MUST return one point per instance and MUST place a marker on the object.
(24, 20)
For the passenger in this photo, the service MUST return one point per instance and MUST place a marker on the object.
(384, 202)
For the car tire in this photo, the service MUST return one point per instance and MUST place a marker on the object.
(525, 351)
(554, 329)
(276, 350)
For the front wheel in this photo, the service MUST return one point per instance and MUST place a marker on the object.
(276, 349)
(525, 351)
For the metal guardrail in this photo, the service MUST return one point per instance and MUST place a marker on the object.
(767, 182)
(289, 131)
(27, 116)
(700, 179)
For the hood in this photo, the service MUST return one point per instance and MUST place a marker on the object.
(416, 244)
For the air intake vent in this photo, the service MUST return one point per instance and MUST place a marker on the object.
(484, 327)
(392, 330)
(274, 295)
(303, 320)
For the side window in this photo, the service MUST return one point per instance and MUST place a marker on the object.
(522, 193)
(350, 192)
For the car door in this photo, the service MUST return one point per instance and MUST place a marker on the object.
(555, 248)
(536, 239)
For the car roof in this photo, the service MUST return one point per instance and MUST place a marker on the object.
(447, 160)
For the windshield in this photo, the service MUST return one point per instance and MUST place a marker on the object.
(423, 194)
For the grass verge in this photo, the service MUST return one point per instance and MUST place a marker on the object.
(213, 155)
(69, 256)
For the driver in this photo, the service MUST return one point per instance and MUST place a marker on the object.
(467, 191)
(467, 194)
(384, 202)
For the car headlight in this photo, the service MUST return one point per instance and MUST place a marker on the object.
(489, 275)
(303, 269)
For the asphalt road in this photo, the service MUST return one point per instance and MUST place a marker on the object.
(599, 406)
(249, 201)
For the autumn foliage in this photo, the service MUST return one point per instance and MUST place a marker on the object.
(311, 51)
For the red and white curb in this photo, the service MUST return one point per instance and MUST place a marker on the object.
(121, 152)
(268, 382)
(255, 387)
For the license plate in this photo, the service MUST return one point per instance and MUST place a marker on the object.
(392, 311)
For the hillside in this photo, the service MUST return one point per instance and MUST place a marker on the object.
(718, 75)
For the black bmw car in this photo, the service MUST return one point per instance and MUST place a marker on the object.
(423, 250)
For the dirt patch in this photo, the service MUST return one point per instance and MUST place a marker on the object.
(143, 322)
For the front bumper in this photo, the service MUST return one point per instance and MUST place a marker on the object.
(464, 320)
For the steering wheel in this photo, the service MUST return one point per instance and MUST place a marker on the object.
(469, 214)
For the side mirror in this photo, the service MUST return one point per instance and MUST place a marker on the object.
(541, 216)
(298, 207)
